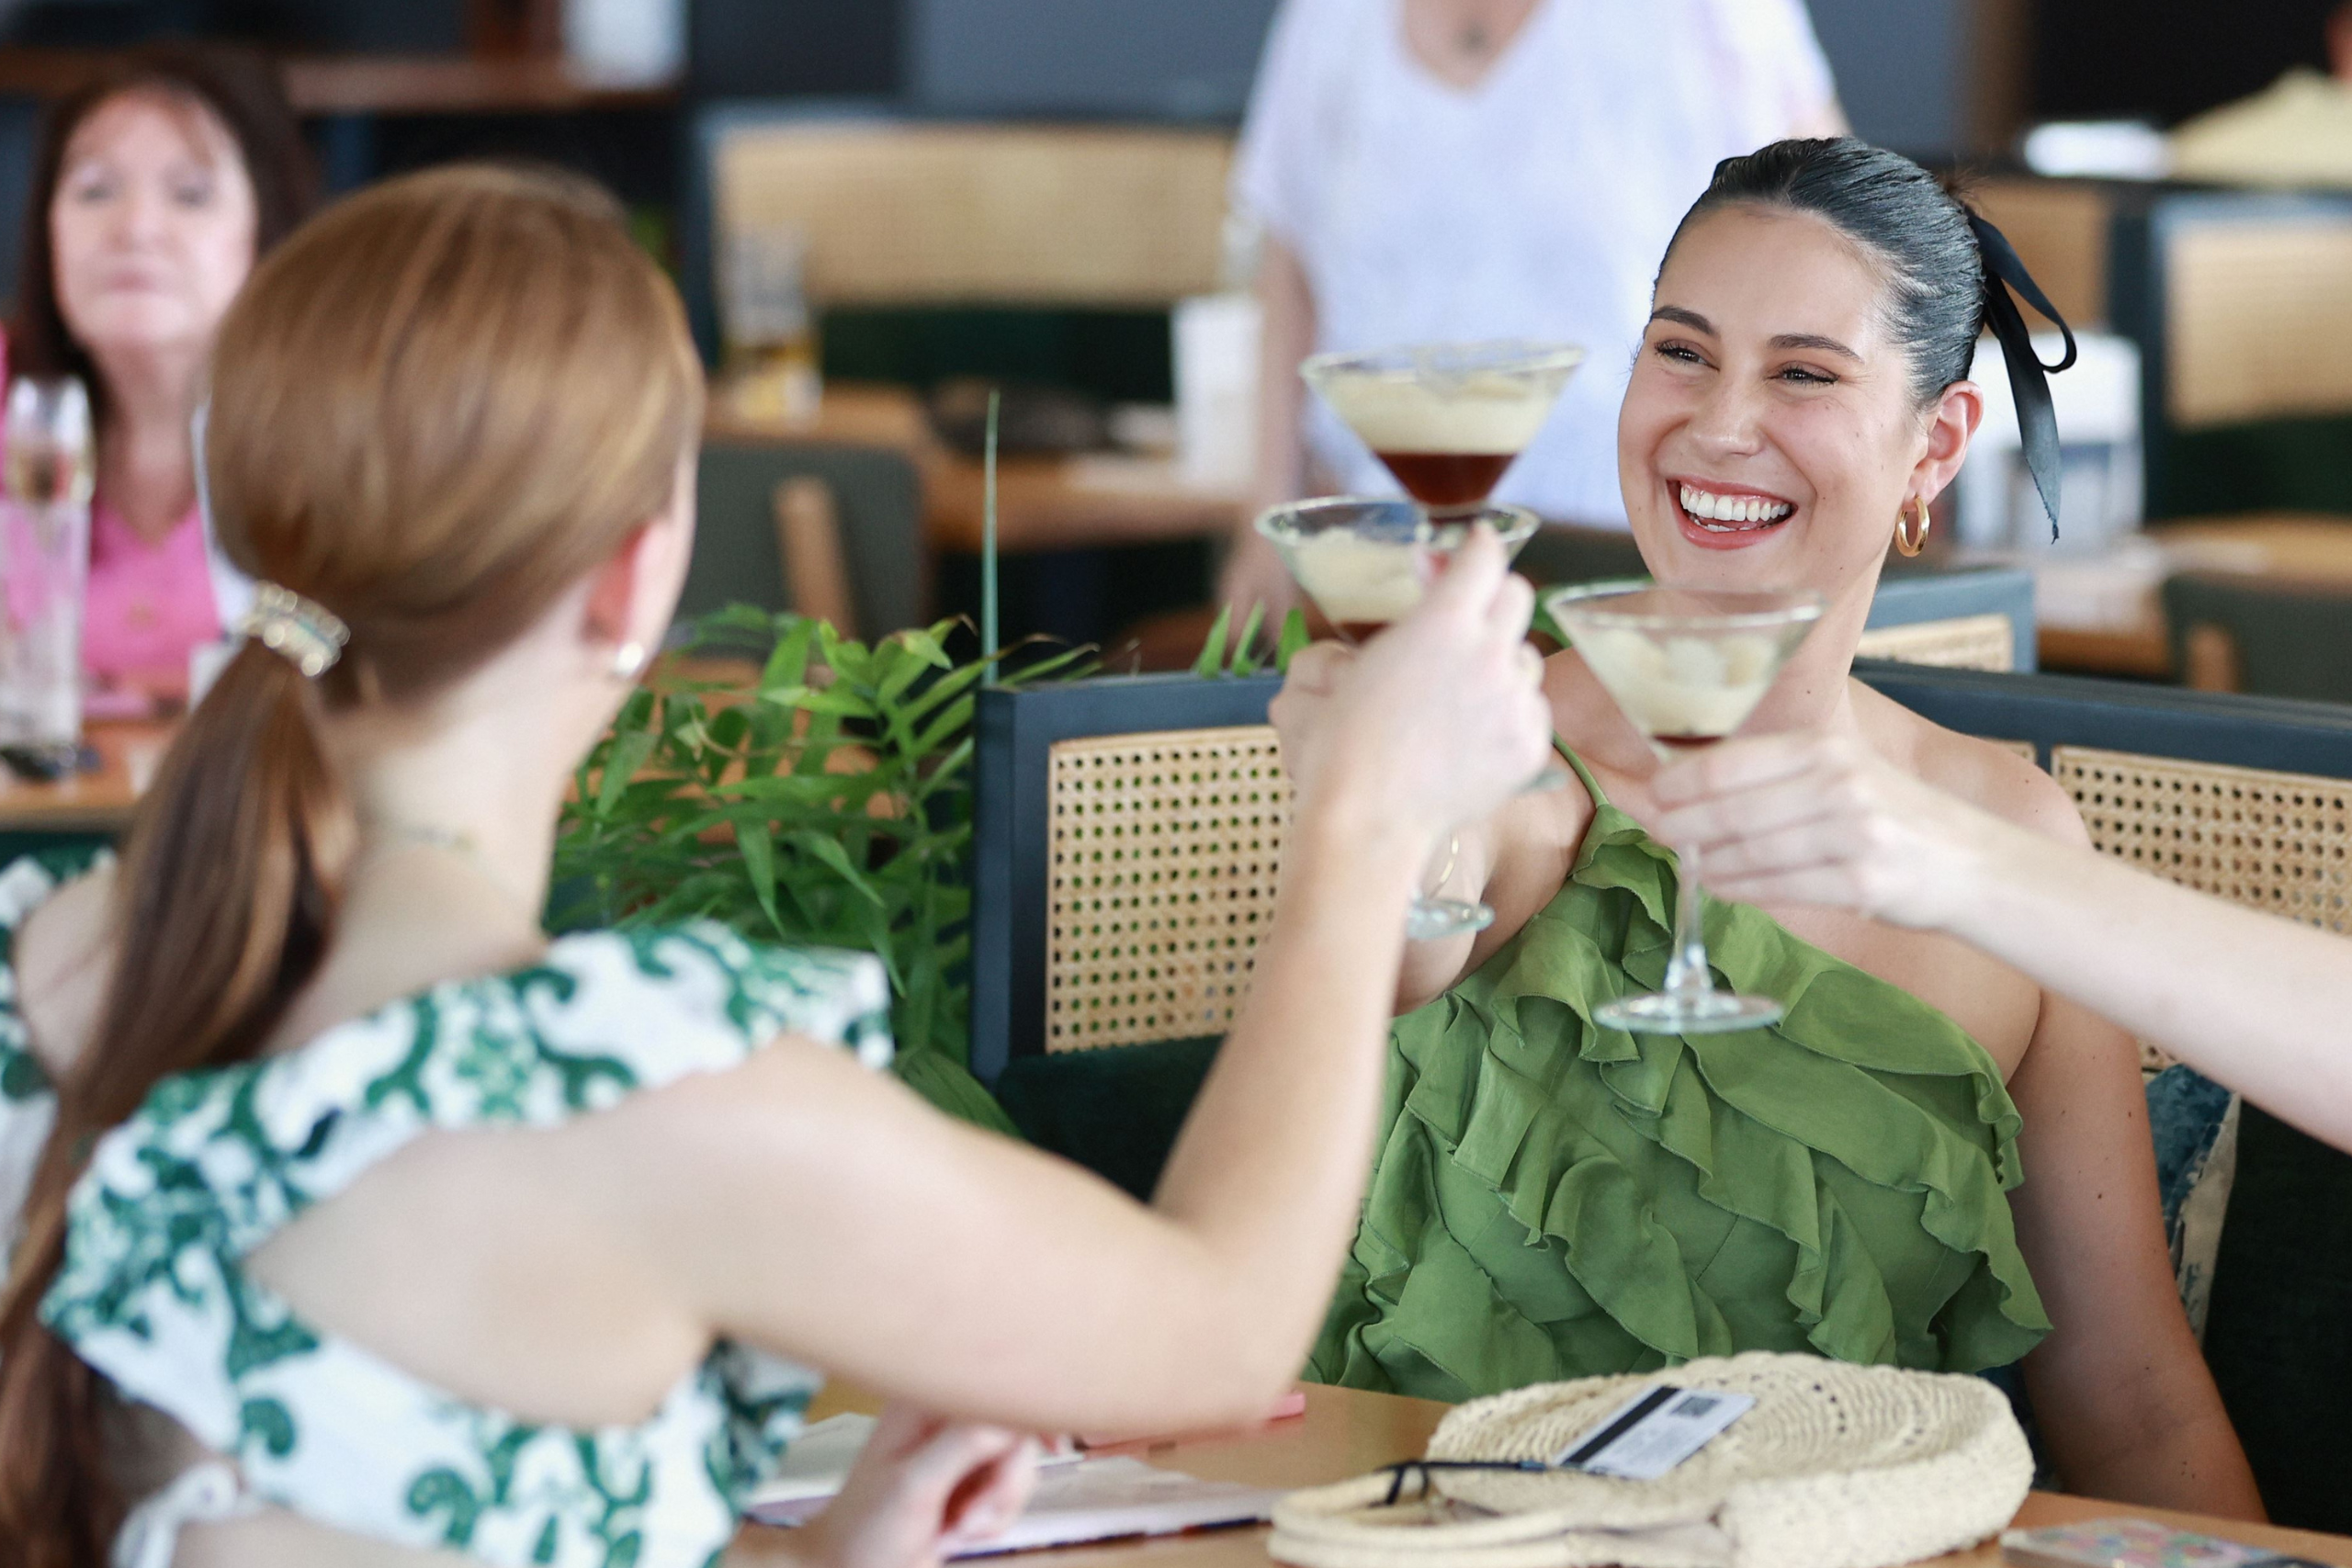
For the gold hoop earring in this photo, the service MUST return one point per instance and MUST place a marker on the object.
(1905, 540)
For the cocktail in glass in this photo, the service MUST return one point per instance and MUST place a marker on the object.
(1447, 419)
(1687, 666)
(1365, 563)
(44, 563)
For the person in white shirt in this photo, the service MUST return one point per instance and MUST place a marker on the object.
(1431, 169)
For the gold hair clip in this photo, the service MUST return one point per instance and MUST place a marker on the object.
(307, 636)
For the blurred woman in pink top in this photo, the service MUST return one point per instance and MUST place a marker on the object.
(158, 185)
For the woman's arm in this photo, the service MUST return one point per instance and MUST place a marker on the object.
(1425, 968)
(2249, 999)
(1254, 573)
(826, 1213)
(1493, 858)
(2121, 1389)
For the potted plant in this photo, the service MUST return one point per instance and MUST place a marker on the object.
(825, 803)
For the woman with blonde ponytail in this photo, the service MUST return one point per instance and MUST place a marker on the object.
(351, 1220)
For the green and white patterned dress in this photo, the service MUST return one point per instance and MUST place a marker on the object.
(153, 1296)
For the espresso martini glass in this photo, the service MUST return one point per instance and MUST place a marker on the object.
(1365, 563)
(1686, 667)
(1447, 418)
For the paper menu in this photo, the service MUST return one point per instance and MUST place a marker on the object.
(1078, 1498)
(1102, 1499)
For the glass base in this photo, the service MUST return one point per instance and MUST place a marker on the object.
(1434, 920)
(1695, 1012)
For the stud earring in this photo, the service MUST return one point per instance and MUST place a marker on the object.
(628, 662)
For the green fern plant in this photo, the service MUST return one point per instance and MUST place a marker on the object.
(1214, 663)
(829, 805)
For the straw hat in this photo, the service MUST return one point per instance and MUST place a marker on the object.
(1837, 1466)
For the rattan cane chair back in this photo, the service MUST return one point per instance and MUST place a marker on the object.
(2246, 798)
(1977, 618)
(2273, 841)
(898, 212)
(1128, 838)
(1964, 642)
(1166, 849)
(1130, 829)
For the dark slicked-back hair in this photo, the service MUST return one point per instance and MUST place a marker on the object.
(1898, 214)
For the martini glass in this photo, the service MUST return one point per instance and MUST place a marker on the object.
(1687, 666)
(1365, 563)
(1446, 418)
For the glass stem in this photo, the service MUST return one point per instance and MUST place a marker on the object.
(1686, 971)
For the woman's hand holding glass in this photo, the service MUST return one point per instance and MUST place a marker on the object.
(1808, 818)
(1435, 722)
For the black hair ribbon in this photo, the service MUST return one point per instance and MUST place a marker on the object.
(2029, 377)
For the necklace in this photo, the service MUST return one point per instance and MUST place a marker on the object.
(459, 844)
(1472, 39)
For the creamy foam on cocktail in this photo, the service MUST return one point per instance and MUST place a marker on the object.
(1447, 419)
(1363, 561)
(1686, 667)
(1482, 414)
(1681, 689)
(1357, 581)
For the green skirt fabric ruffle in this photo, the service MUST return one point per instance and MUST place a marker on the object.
(1552, 1199)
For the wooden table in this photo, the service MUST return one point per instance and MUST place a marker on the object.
(1043, 503)
(101, 802)
(1346, 1432)
(129, 750)
(2284, 547)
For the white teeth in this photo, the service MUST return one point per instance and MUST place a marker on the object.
(1742, 510)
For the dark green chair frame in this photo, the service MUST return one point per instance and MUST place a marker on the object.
(877, 499)
(2288, 640)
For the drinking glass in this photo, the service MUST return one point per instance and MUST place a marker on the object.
(1687, 666)
(1365, 563)
(771, 337)
(48, 472)
(1446, 418)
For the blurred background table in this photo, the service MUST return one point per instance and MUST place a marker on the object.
(1081, 501)
(1346, 1432)
(2106, 616)
(84, 806)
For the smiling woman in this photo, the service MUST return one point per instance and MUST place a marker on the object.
(1554, 1198)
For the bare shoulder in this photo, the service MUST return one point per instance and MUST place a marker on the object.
(61, 959)
(1989, 776)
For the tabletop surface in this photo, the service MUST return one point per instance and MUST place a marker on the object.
(1042, 503)
(98, 801)
(1347, 1432)
(130, 750)
(2285, 548)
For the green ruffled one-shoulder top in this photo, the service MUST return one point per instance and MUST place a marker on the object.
(1552, 1198)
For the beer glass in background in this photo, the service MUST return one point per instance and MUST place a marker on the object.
(772, 374)
(45, 529)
